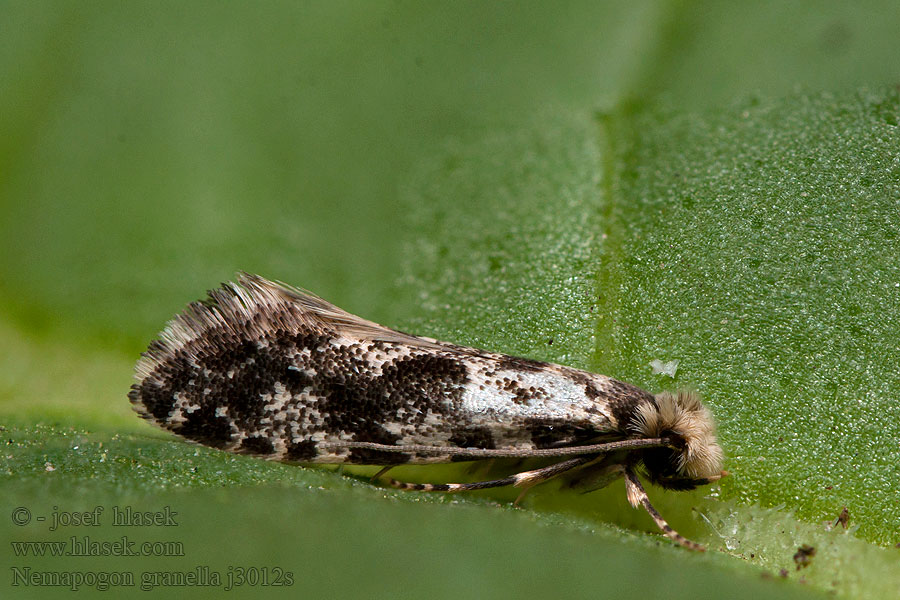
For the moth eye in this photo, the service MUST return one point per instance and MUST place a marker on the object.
(675, 440)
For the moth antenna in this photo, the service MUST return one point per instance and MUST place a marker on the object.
(637, 496)
(629, 444)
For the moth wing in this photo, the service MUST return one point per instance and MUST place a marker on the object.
(319, 314)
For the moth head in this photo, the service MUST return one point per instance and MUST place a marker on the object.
(693, 457)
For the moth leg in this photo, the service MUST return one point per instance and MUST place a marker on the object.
(637, 496)
(595, 477)
(529, 479)
(522, 494)
(381, 472)
(525, 478)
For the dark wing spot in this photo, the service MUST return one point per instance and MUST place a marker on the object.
(257, 445)
(301, 451)
(515, 363)
(522, 396)
(472, 437)
(624, 400)
(158, 391)
(556, 433)
(205, 427)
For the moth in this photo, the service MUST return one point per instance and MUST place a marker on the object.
(270, 370)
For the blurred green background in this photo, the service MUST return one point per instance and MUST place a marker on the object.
(597, 184)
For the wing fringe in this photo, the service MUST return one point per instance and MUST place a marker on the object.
(253, 306)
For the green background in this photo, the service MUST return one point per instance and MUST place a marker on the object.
(596, 184)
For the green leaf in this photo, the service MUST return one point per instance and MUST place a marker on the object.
(756, 246)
